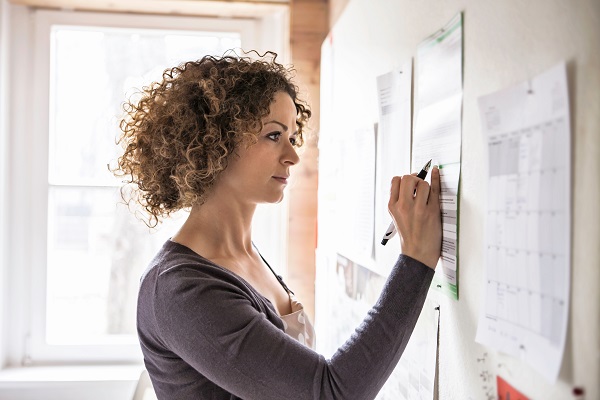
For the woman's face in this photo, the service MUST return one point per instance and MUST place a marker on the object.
(260, 172)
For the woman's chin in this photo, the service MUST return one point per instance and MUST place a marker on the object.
(275, 199)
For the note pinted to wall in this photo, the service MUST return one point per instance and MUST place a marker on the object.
(527, 245)
(437, 134)
(394, 95)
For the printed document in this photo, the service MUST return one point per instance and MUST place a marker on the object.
(355, 197)
(394, 93)
(437, 134)
(414, 376)
(527, 249)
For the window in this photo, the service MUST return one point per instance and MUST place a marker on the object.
(91, 238)
(87, 250)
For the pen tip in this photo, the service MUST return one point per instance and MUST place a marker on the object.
(428, 165)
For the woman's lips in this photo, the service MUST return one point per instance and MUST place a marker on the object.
(281, 179)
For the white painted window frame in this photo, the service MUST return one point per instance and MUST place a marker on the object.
(3, 174)
(27, 190)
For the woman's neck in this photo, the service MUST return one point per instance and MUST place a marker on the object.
(218, 229)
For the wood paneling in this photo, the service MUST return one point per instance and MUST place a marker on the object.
(309, 25)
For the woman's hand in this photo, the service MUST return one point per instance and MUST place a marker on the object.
(417, 216)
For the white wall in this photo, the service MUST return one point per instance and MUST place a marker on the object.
(505, 42)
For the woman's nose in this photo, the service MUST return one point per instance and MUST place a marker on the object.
(291, 156)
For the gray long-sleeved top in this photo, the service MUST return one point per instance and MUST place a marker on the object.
(207, 334)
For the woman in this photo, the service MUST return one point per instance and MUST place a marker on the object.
(219, 136)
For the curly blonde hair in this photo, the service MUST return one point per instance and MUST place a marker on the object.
(179, 136)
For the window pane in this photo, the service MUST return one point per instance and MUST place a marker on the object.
(97, 249)
(97, 252)
(93, 70)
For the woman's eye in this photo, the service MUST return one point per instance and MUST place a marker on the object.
(274, 136)
(293, 141)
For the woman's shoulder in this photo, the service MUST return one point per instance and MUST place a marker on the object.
(178, 278)
(176, 268)
(174, 261)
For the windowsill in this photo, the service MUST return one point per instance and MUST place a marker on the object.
(70, 373)
(73, 382)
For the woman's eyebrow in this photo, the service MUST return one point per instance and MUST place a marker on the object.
(285, 128)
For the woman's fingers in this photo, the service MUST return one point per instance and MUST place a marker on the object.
(407, 190)
(434, 192)
(394, 190)
(422, 193)
(414, 190)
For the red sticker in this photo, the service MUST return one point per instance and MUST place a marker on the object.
(507, 392)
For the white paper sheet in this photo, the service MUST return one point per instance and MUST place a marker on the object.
(527, 275)
(355, 199)
(353, 290)
(394, 92)
(437, 134)
(414, 376)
